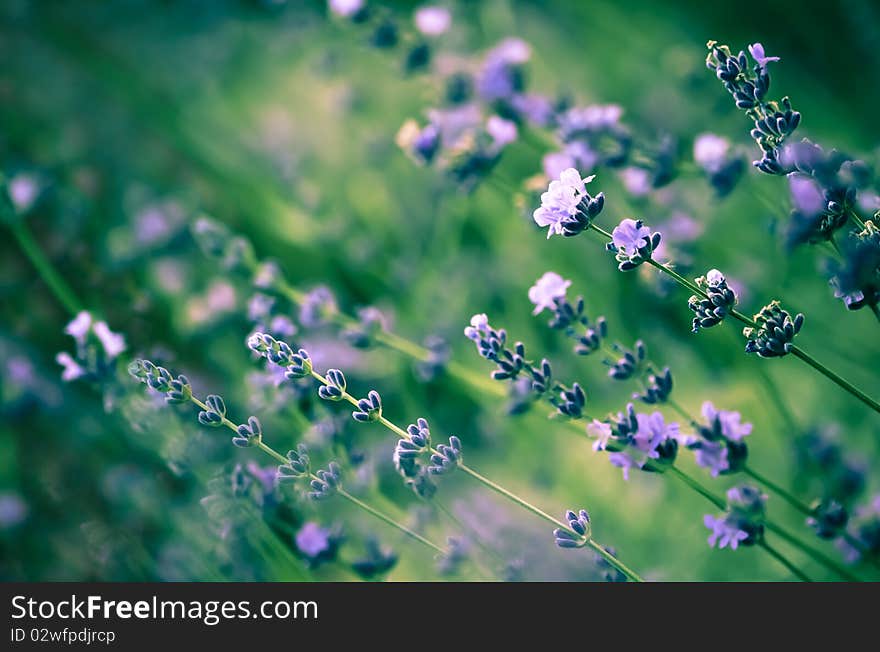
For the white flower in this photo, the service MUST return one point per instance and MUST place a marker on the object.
(79, 327)
(23, 191)
(602, 433)
(113, 343)
(479, 325)
(432, 20)
(714, 278)
(710, 151)
(345, 8)
(546, 290)
(72, 369)
(503, 131)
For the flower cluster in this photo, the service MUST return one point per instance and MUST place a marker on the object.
(297, 466)
(326, 482)
(775, 331)
(412, 459)
(716, 305)
(636, 440)
(176, 390)
(549, 292)
(748, 83)
(828, 519)
(567, 208)
(743, 521)
(864, 530)
(718, 443)
(633, 243)
(579, 532)
(630, 363)
(856, 278)
(97, 348)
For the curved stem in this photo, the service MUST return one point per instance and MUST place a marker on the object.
(782, 560)
(56, 283)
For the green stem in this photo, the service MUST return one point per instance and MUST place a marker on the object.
(782, 493)
(858, 220)
(390, 521)
(782, 560)
(841, 382)
(537, 511)
(812, 552)
(45, 269)
(720, 503)
(798, 352)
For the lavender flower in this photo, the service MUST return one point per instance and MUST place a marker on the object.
(318, 307)
(334, 388)
(757, 52)
(774, 335)
(636, 439)
(546, 290)
(829, 519)
(326, 483)
(297, 466)
(248, 434)
(567, 208)
(377, 560)
(312, 539)
(632, 243)
(581, 530)
(345, 8)
(368, 409)
(433, 20)
(742, 523)
(446, 458)
(719, 302)
(97, 348)
(723, 424)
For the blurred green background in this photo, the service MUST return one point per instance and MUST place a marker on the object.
(279, 122)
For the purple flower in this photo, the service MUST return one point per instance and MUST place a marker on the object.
(625, 461)
(23, 191)
(724, 532)
(80, 326)
(536, 109)
(113, 343)
(712, 455)
(630, 235)
(72, 369)
(602, 432)
(806, 195)
(757, 52)
(637, 181)
(13, 510)
(479, 327)
(560, 202)
(433, 20)
(503, 131)
(345, 8)
(710, 152)
(653, 431)
(312, 539)
(546, 290)
(726, 423)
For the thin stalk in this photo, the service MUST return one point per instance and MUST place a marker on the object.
(797, 351)
(782, 560)
(812, 552)
(537, 511)
(340, 491)
(56, 283)
(400, 432)
(792, 500)
(841, 382)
